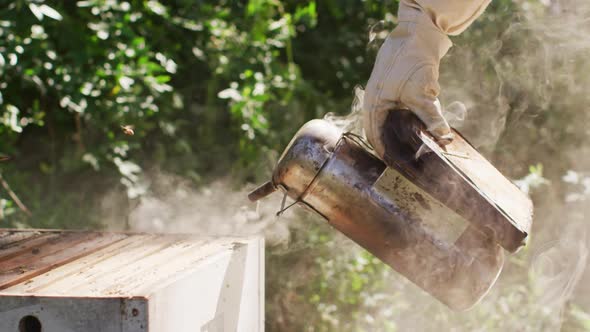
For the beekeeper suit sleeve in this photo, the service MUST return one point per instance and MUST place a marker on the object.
(405, 73)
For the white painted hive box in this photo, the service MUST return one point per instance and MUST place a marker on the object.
(69, 281)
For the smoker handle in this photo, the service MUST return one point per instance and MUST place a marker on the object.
(262, 191)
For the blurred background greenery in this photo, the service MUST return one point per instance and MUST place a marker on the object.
(215, 89)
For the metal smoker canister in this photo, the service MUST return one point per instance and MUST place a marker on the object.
(448, 242)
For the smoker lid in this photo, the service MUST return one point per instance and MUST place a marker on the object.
(459, 177)
(486, 179)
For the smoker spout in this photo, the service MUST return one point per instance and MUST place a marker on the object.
(262, 191)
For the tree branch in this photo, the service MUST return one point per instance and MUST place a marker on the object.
(14, 197)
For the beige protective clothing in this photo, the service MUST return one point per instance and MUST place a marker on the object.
(405, 74)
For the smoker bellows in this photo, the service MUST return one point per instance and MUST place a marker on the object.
(440, 219)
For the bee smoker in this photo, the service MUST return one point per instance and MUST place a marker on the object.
(440, 219)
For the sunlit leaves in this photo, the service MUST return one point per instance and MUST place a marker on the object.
(10, 118)
(262, 45)
(131, 177)
(38, 32)
(44, 11)
(6, 208)
(532, 180)
(307, 14)
(91, 160)
(230, 93)
(157, 8)
(92, 62)
(168, 64)
(101, 29)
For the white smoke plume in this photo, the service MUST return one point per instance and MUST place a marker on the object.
(536, 64)
(174, 205)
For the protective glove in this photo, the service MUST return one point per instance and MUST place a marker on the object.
(405, 75)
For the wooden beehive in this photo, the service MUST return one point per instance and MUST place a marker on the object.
(62, 281)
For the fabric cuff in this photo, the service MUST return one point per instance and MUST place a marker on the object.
(437, 41)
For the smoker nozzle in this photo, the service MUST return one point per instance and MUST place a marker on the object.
(262, 191)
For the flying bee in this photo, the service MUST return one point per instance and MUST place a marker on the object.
(128, 130)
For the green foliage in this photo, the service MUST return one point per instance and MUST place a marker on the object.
(209, 88)
(74, 73)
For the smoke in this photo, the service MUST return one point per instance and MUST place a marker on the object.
(558, 266)
(350, 122)
(455, 113)
(519, 93)
(174, 205)
(537, 94)
(534, 106)
(533, 110)
(537, 63)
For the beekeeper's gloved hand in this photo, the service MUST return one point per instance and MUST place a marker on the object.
(405, 74)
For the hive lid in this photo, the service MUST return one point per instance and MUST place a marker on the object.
(102, 264)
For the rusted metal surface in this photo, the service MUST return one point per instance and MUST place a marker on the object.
(460, 178)
(93, 281)
(400, 223)
(262, 191)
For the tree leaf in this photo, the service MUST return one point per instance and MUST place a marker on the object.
(50, 12)
(36, 11)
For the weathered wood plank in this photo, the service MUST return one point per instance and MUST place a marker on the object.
(9, 238)
(95, 264)
(93, 279)
(169, 264)
(57, 280)
(55, 251)
(27, 245)
(142, 282)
